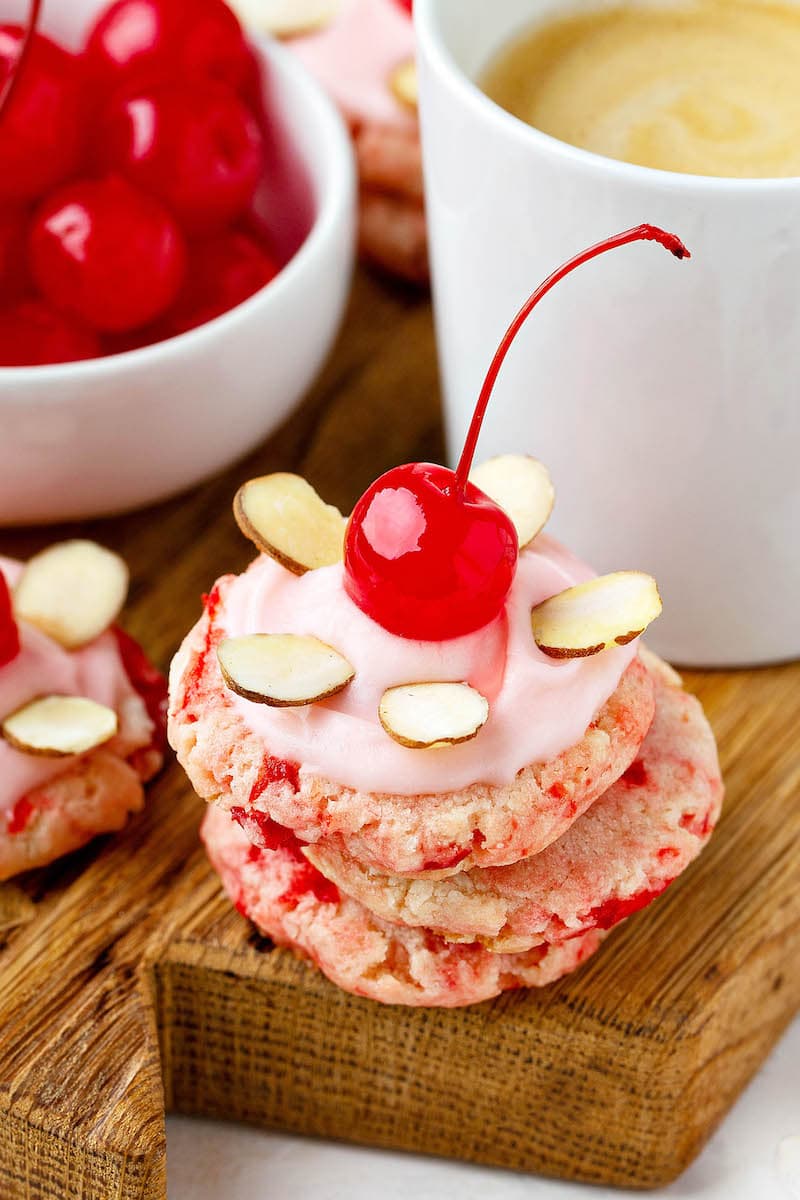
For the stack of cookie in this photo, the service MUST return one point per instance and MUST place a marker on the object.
(433, 820)
(362, 52)
(82, 710)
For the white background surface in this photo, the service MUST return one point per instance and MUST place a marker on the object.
(755, 1155)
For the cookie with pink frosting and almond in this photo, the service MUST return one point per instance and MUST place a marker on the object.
(557, 733)
(362, 52)
(631, 844)
(434, 688)
(82, 710)
(295, 906)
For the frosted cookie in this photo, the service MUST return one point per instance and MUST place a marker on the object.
(432, 683)
(328, 771)
(362, 52)
(290, 902)
(630, 845)
(82, 711)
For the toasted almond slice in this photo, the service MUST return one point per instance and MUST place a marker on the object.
(286, 18)
(55, 726)
(283, 669)
(523, 489)
(590, 617)
(285, 518)
(72, 591)
(404, 83)
(424, 716)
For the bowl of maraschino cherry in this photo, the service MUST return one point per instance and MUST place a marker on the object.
(176, 242)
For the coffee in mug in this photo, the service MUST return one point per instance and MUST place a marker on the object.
(708, 88)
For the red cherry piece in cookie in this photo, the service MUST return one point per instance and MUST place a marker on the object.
(9, 633)
(425, 562)
(148, 682)
(107, 253)
(41, 129)
(195, 146)
(32, 334)
(222, 272)
(145, 41)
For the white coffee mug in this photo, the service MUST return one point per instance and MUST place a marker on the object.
(664, 396)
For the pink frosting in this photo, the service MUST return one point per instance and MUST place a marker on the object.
(43, 667)
(539, 705)
(354, 57)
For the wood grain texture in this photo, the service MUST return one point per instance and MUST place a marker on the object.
(617, 1074)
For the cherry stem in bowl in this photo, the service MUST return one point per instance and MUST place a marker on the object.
(641, 233)
(7, 90)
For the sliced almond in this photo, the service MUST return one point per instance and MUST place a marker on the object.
(55, 726)
(72, 591)
(282, 669)
(405, 84)
(424, 716)
(522, 487)
(286, 18)
(285, 518)
(583, 620)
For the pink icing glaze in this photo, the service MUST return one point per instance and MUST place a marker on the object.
(43, 667)
(354, 56)
(539, 705)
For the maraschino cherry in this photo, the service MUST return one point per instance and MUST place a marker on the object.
(32, 334)
(9, 633)
(13, 259)
(427, 554)
(137, 42)
(42, 118)
(223, 271)
(107, 253)
(195, 146)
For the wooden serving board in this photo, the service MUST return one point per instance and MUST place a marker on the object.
(128, 984)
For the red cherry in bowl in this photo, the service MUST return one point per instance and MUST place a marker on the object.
(14, 279)
(40, 131)
(193, 145)
(145, 41)
(9, 633)
(223, 271)
(427, 554)
(32, 334)
(107, 253)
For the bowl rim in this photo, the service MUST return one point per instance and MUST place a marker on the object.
(334, 196)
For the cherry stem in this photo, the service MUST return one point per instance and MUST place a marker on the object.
(8, 88)
(642, 233)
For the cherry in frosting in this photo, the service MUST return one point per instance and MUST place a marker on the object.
(424, 562)
(9, 633)
(427, 554)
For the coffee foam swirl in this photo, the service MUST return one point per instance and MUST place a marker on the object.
(710, 89)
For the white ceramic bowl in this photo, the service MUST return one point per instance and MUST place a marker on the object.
(90, 438)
